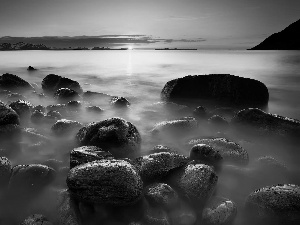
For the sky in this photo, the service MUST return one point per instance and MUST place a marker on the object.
(203, 24)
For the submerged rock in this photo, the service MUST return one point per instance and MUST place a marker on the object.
(65, 127)
(14, 83)
(94, 109)
(219, 211)
(120, 102)
(30, 68)
(65, 95)
(116, 135)
(230, 151)
(113, 182)
(52, 83)
(87, 154)
(200, 113)
(278, 204)
(225, 88)
(266, 123)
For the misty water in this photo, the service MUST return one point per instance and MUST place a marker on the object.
(139, 75)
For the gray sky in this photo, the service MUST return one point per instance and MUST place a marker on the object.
(229, 24)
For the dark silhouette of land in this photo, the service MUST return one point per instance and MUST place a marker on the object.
(166, 49)
(287, 39)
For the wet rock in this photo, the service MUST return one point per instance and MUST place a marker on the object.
(53, 163)
(64, 95)
(225, 88)
(175, 127)
(219, 211)
(74, 105)
(22, 108)
(14, 83)
(8, 115)
(94, 109)
(5, 171)
(53, 115)
(278, 204)
(52, 83)
(120, 102)
(266, 123)
(87, 154)
(206, 154)
(36, 219)
(196, 181)
(200, 113)
(39, 108)
(68, 211)
(37, 116)
(225, 112)
(65, 127)
(31, 178)
(156, 166)
(229, 150)
(113, 182)
(30, 68)
(161, 195)
(116, 135)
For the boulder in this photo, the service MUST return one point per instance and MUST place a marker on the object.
(14, 83)
(197, 182)
(65, 127)
(61, 108)
(218, 123)
(225, 88)
(30, 68)
(26, 179)
(266, 123)
(39, 108)
(155, 166)
(120, 102)
(87, 154)
(8, 115)
(175, 127)
(64, 95)
(206, 154)
(219, 211)
(116, 135)
(53, 115)
(277, 204)
(74, 105)
(52, 83)
(200, 113)
(161, 195)
(230, 151)
(112, 182)
(37, 116)
(22, 108)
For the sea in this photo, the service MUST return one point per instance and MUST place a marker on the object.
(140, 75)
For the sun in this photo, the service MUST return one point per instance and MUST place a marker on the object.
(130, 47)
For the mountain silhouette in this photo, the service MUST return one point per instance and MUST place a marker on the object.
(287, 39)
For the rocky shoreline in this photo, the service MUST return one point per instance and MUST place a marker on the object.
(98, 174)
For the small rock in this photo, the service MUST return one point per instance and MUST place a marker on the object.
(22, 108)
(74, 105)
(94, 109)
(65, 127)
(37, 116)
(219, 211)
(120, 102)
(8, 115)
(30, 68)
(200, 113)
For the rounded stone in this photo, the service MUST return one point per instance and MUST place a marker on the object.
(200, 113)
(12, 82)
(120, 102)
(8, 115)
(37, 116)
(219, 211)
(278, 204)
(65, 95)
(229, 150)
(53, 82)
(39, 108)
(116, 135)
(94, 109)
(87, 154)
(112, 182)
(63, 126)
(22, 108)
(206, 154)
(161, 195)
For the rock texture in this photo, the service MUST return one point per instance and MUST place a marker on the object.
(52, 83)
(116, 135)
(287, 39)
(278, 204)
(113, 182)
(14, 83)
(225, 88)
(267, 123)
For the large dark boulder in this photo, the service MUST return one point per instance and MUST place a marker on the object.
(52, 83)
(64, 95)
(222, 88)
(278, 204)
(116, 135)
(266, 123)
(8, 115)
(23, 108)
(14, 83)
(65, 127)
(113, 182)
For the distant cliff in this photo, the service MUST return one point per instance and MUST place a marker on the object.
(288, 39)
(22, 46)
